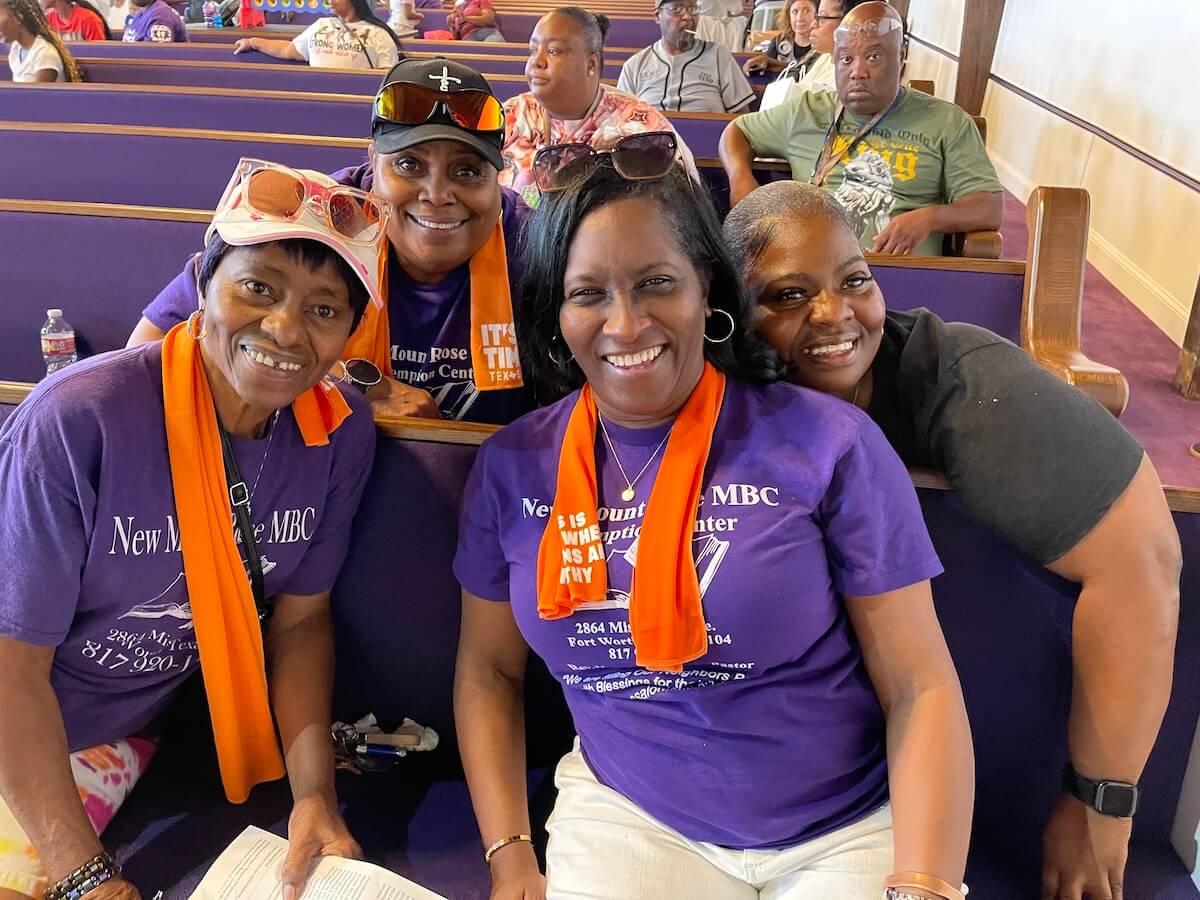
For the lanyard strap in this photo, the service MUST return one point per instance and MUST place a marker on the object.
(239, 499)
(827, 161)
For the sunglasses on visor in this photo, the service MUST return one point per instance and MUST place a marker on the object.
(272, 191)
(409, 104)
(636, 157)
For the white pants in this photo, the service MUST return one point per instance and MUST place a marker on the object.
(604, 847)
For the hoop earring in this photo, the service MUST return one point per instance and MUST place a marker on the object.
(558, 364)
(345, 373)
(732, 328)
(190, 327)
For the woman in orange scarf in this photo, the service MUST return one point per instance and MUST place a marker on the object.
(443, 344)
(729, 577)
(119, 480)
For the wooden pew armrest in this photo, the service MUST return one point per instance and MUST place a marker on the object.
(1052, 308)
(1104, 384)
(974, 244)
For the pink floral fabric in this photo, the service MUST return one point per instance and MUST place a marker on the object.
(615, 115)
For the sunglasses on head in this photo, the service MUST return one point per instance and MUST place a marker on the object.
(636, 157)
(272, 191)
(410, 104)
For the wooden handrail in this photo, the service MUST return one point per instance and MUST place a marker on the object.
(108, 210)
(1052, 307)
(439, 431)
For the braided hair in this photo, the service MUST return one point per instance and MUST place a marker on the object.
(29, 16)
(365, 12)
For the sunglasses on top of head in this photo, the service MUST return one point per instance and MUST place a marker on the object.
(410, 104)
(636, 157)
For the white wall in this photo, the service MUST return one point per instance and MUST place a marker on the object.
(1078, 56)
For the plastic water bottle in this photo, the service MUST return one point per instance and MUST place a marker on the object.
(209, 9)
(58, 342)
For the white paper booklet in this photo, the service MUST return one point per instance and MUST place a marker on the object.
(248, 869)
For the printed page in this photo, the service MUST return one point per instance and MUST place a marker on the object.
(249, 868)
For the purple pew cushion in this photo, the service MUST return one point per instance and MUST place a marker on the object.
(191, 175)
(116, 266)
(990, 300)
(68, 103)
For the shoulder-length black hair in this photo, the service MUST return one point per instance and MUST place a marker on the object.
(686, 209)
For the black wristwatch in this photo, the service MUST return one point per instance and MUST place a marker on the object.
(363, 374)
(1111, 798)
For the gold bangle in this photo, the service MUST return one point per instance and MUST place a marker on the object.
(921, 881)
(504, 842)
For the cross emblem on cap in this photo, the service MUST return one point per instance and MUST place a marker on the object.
(445, 78)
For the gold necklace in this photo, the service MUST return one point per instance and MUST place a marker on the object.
(629, 493)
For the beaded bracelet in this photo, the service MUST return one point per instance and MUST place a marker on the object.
(93, 873)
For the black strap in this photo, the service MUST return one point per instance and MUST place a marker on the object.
(239, 499)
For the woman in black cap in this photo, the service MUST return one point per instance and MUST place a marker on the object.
(445, 345)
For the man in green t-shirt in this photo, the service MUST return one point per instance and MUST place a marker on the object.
(907, 167)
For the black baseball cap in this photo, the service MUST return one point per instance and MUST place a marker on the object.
(444, 76)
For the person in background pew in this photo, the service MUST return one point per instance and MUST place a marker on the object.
(1077, 493)
(155, 22)
(77, 20)
(789, 50)
(681, 72)
(445, 344)
(35, 52)
(728, 576)
(566, 102)
(474, 20)
(352, 38)
(908, 168)
(124, 575)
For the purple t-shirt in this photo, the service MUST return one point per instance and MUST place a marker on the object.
(776, 736)
(430, 324)
(90, 538)
(156, 23)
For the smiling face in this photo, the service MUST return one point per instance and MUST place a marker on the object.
(446, 202)
(563, 76)
(274, 328)
(633, 312)
(818, 304)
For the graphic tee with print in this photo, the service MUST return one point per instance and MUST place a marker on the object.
(90, 536)
(156, 23)
(332, 43)
(776, 735)
(41, 55)
(430, 323)
(926, 152)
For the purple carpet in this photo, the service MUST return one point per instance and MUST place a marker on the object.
(1118, 334)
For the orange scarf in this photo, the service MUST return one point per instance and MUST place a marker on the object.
(665, 614)
(228, 634)
(493, 334)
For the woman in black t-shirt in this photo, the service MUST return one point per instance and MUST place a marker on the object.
(1042, 465)
(789, 48)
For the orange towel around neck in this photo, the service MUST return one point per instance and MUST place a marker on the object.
(493, 334)
(228, 635)
(665, 614)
